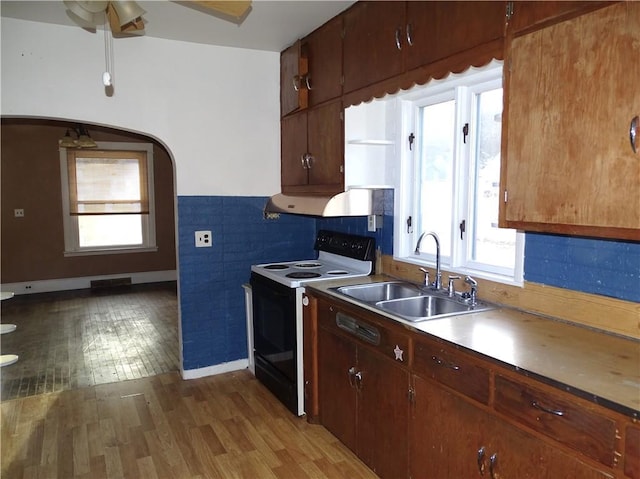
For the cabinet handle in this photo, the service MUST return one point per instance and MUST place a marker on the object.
(446, 364)
(310, 159)
(303, 160)
(351, 372)
(358, 377)
(481, 461)
(296, 82)
(633, 133)
(398, 41)
(493, 460)
(555, 412)
(409, 39)
(307, 82)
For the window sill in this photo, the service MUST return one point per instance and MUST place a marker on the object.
(103, 251)
(497, 278)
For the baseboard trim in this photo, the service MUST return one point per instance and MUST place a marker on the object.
(217, 369)
(66, 284)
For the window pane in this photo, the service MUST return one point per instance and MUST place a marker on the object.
(490, 244)
(436, 175)
(110, 230)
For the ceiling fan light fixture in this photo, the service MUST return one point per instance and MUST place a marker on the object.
(67, 141)
(83, 141)
(90, 13)
(127, 11)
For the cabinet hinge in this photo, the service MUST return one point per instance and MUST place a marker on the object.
(411, 395)
(506, 196)
(341, 168)
(509, 12)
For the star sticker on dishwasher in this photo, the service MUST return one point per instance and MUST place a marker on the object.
(398, 352)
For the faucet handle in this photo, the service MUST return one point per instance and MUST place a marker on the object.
(426, 276)
(451, 289)
(471, 281)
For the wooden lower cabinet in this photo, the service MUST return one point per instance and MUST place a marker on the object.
(363, 397)
(452, 438)
(412, 406)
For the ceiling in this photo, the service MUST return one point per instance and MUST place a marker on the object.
(270, 25)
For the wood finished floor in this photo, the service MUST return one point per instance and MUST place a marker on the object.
(225, 426)
(74, 339)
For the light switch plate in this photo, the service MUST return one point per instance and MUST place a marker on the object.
(203, 239)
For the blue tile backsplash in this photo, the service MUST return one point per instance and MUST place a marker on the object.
(210, 281)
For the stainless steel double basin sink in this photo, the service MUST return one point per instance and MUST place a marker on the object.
(410, 302)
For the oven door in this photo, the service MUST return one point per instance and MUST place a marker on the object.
(274, 337)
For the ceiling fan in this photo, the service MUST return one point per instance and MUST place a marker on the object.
(125, 16)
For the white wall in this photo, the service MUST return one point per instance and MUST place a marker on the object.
(216, 109)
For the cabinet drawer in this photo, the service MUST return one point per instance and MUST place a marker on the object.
(558, 416)
(451, 368)
(391, 342)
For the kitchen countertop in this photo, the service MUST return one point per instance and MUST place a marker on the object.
(598, 366)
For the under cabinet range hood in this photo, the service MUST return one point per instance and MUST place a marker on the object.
(353, 202)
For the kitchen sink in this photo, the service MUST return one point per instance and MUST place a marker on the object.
(430, 306)
(375, 292)
(409, 302)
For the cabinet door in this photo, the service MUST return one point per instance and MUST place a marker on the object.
(442, 29)
(445, 433)
(369, 46)
(568, 166)
(531, 15)
(383, 410)
(324, 52)
(325, 143)
(337, 396)
(293, 66)
(293, 147)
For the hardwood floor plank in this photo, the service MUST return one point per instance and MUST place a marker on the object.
(113, 465)
(80, 445)
(146, 468)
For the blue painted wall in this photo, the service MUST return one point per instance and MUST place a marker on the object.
(211, 279)
(211, 295)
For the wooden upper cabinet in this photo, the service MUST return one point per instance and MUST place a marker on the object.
(531, 15)
(571, 93)
(437, 30)
(323, 48)
(373, 42)
(312, 151)
(293, 71)
(293, 147)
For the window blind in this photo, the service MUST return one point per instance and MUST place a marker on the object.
(107, 182)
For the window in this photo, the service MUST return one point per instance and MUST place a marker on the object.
(108, 198)
(450, 177)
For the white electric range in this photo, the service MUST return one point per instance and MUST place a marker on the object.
(277, 307)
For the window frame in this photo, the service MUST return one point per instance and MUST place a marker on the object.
(456, 86)
(70, 221)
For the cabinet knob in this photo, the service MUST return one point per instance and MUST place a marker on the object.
(633, 133)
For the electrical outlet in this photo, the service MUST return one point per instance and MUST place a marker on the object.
(371, 223)
(203, 239)
(18, 213)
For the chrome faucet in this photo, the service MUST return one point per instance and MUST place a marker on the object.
(437, 284)
(473, 294)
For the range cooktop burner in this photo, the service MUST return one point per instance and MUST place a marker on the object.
(276, 266)
(311, 264)
(303, 275)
